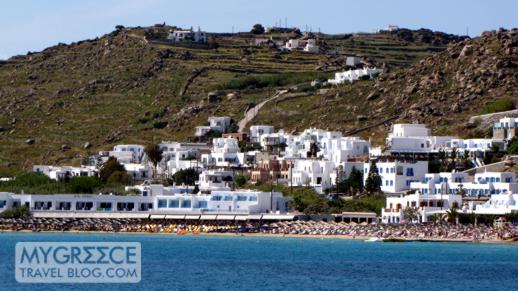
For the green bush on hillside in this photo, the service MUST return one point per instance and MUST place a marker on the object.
(498, 106)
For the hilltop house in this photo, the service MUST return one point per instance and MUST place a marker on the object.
(188, 36)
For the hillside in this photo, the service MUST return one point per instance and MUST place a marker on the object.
(442, 90)
(69, 101)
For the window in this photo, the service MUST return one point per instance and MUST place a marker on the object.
(252, 198)
(202, 204)
(381, 170)
(410, 172)
(227, 198)
(162, 203)
(174, 204)
(215, 198)
(186, 204)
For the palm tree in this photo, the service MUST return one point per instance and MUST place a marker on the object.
(154, 153)
(435, 218)
(451, 215)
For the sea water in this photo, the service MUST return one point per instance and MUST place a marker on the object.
(189, 262)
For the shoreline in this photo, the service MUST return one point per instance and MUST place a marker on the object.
(272, 235)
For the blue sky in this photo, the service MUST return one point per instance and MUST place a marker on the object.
(34, 25)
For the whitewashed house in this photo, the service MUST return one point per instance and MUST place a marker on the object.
(499, 204)
(397, 176)
(211, 180)
(256, 131)
(225, 153)
(188, 35)
(311, 46)
(313, 173)
(128, 153)
(483, 184)
(425, 205)
(354, 75)
(352, 61)
(505, 129)
(139, 172)
(216, 123)
(63, 172)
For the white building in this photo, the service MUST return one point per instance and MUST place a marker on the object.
(311, 46)
(62, 172)
(216, 123)
(215, 180)
(425, 205)
(188, 36)
(397, 176)
(499, 204)
(156, 201)
(225, 153)
(483, 184)
(417, 138)
(506, 128)
(354, 75)
(139, 171)
(256, 131)
(352, 61)
(128, 153)
(313, 173)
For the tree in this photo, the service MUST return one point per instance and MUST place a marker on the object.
(186, 177)
(109, 167)
(453, 158)
(119, 177)
(452, 215)
(466, 162)
(155, 154)
(373, 182)
(355, 181)
(442, 160)
(240, 180)
(512, 147)
(411, 214)
(19, 212)
(313, 150)
(257, 29)
(84, 184)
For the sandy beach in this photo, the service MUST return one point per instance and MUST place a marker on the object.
(291, 229)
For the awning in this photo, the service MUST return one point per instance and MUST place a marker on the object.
(192, 217)
(208, 217)
(225, 217)
(255, 217)
(241, 217)
(278, 217)
(155, 216)
(175, 216)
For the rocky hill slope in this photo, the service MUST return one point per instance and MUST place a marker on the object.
(442, 90)
(69, 101)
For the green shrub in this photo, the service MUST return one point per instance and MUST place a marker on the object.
(270, 80)
(498, 106)
(17, 212)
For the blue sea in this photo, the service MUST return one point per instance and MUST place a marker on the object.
(171, 262)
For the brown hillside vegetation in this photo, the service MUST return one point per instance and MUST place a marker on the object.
(70, 101)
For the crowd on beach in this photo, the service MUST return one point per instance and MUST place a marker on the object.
(427, 231)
